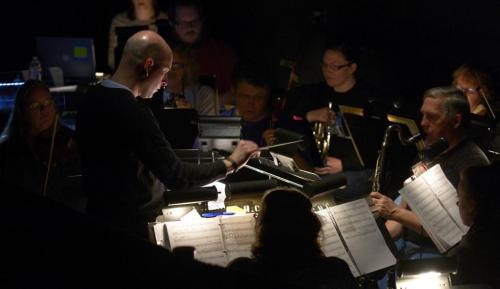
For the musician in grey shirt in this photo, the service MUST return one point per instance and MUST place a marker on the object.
(444, 115)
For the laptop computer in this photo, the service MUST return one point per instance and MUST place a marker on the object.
(75, 56)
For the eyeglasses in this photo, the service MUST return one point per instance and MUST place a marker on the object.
(334, 67)
(468, 90)
(188, 24)
(40, 105)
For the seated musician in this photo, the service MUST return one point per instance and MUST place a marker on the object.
(444, 115)
(183, 87)
(27, 151)
(479, 204)
(213, 57)
(287, 248)
(309, 104)
(252, 89)
(473, 82)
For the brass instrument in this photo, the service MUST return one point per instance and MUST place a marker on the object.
(379, 167)
(322, 135)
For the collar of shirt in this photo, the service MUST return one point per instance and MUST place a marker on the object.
(113, 84)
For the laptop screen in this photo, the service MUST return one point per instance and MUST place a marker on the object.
(75, 56)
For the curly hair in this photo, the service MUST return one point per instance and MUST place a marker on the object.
(476, 75)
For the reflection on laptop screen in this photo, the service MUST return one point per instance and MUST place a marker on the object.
(75, 56)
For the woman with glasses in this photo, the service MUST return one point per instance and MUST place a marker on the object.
(39, 154)
(310, 104)
(139, 13)
(476, 85)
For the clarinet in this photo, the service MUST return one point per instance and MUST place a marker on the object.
(379, 167)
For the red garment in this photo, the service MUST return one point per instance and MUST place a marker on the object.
(215, 58)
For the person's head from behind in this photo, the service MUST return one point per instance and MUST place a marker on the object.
(146, 58)
(472, 81)
(478, 198)
(138, 9)
(34, 110)
(184, 71)
(252, 90)
(187, 17)
(444, 114)
(286, 220)
(339, 65)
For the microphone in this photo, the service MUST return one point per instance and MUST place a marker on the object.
(327, 183)
(250, 187)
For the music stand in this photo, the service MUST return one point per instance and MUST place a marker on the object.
(282, 168)
(219, 132)
(179, 126)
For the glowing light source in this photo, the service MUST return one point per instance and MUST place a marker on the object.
(425, 273)
(16, 83)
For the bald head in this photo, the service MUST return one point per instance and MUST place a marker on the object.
(146, 60)
(143, 45)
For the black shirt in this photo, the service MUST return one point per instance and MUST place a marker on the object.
(254, 131)
(126, 160)
(367, 131)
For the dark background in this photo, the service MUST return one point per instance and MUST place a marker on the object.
(408, 46)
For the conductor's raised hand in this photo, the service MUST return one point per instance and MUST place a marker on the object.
(243, 151)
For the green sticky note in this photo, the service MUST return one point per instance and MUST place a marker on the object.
(80, 52)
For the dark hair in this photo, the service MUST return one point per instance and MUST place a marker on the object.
(252, 72)
(172, 8)
(350, 52)
(191, 67)
(481, 184)
(131, 9)
(17, 130)
(286, 223)
(455, 102)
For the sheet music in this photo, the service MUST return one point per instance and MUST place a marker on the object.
(204, 234)
(432, 197)
(446, 193)
(362, 236)
(330, 241)
(239, 235)
(158, 229)
(216, 240)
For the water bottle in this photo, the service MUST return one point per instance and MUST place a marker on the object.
(35, 69)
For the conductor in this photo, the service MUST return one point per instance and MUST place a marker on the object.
(127, 163)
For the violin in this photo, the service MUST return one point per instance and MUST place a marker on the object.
(64, 148)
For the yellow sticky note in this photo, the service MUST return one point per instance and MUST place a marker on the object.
(235, 209)
(80, 52)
